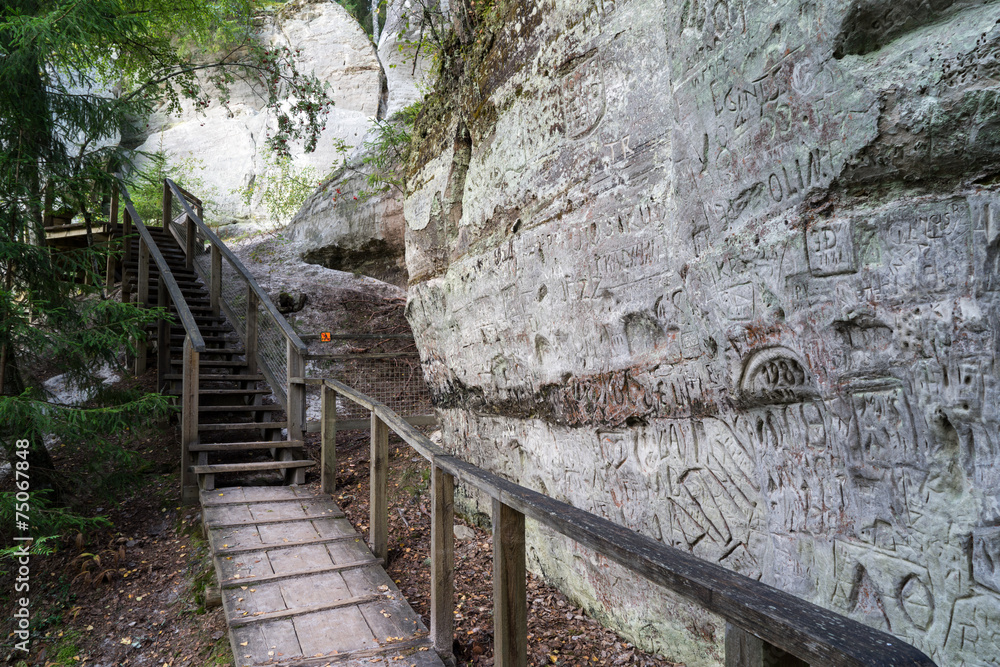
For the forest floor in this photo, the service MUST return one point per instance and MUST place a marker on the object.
(134, 593)
(129, 594)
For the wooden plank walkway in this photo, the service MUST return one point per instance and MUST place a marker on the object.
(300, 586)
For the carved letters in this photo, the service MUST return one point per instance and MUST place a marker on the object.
(690, 331)
(830, 245)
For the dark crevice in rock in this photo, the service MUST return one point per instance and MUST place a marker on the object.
(376, 259)
(614, 399)
(873, 24)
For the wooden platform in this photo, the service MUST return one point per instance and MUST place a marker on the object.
(300, 586)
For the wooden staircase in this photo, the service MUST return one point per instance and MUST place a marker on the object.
(239, 431)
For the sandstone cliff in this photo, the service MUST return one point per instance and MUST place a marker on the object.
(727, 272)
(226, 141)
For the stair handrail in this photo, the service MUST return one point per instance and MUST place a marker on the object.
(194, 343)
(759, 617)
(291, 396)
(184, 313)
(213, 239)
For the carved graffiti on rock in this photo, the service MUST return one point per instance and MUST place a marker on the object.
(775, 375)
(975, 629)
(693, 271)
(583, 97)
(830, 246)
(986, 556)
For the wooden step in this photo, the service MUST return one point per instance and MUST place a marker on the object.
(189, 297)
(225, 392)
(240, 408)
(242, 426)
(218, 468)
(299, 611)
(164, 248)
(204, 329)
(218, 377)
(240, 446)
(189, 291)
(192, 308)
(182, 276)
(183, 283)
(176, 347)
(133, 266)
(207, 339)
(213, 351)
(213, 363)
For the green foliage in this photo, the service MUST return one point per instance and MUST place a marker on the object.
(47, 520)
(281, 189)
(361, 10)
(427, 21)
(388, 152)
(68, 653)
(146, 183)
(74, 76)
(48, 523)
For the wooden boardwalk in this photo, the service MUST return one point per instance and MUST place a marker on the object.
(300, 586)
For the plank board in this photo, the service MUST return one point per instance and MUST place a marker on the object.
(300, 586)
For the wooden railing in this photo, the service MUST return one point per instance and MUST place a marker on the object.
(168, 292)
(250, 310)
(764, 625)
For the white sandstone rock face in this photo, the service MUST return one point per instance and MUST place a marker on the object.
(227, 143)
(406, 70)
(728, 274)
(338, 226)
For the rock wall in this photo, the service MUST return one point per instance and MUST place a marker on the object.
(727, 273)
(227, 141)
(366, 234)
(338, 229)
(406, 69)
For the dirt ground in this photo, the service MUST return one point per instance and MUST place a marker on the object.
(134, 593)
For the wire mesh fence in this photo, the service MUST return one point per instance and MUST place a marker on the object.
(396, 381)
(386, 368)
(272, 350)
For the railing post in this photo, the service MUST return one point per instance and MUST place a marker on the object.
(744, 649)
(189, 243)
(378, 525)
(162, 335)
(250, 347)
(510, 609)
(328, 440)
(127, 236)
(189, 419)
(168, 204)
(442, 560)
(296, 408)
(215, 280)
(142, 299)
(109, 280)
